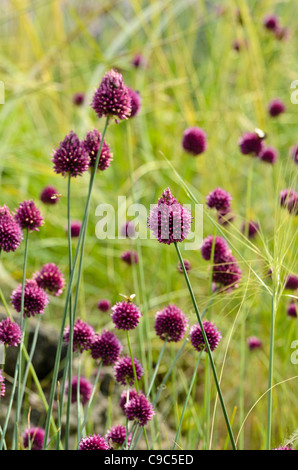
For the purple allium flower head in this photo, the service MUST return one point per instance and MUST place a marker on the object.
(169, 220)
(291, 282)
(70, 158)
(10, 231)
(124, 373)
(194, 141)
(50, 279)
(139, 409)
(107, 347)
(112, 97)
(251, 229)
(139, 61)
(78, 98)
(220, 249)
(116, 437)
(219, 199)
(187, 266)
(2, 385)
(269, 155)
(254, 343)
(294, 153)
(130, 257)
(125, 315)
(75, 228)
(104, 305)
(49, 195)
(170, 323)
(33, 438)
(250, 144)
(10, 333)
(91, 146)
(135, 102)
(292, 310)
(276, 107)
(35, 299)
(227, 272)
(28, 216)
(212, 333)
(83, 335)
(132, 393)
(85, 389)
(289, 200)
(271, 22)
(93, 442)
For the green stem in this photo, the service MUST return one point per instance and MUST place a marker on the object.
(79, 398)
(132, 362)
(91, 397)
(208, 350)
(270, 372)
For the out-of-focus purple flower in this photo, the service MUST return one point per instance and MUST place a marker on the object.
(49, 195)
(123, 398)
(291, 282)
(125, 315)
(93, 442)
(225, 217)
(83, 335)
(251, 144)
(250, 229)
(139, 61)
(104, 305)
(10, 231)
(2, 385)
(281, 33)
(106, 347)
(289, 200)
(70, 158)
(170, 324)
(112, 97)
(187, 265)
(116, 437)
(169, 220)
(28, 216)
(219, 199)
(269, 155)
(91, 145)
(75, 228)
(292, 310)
(212, 333)
(194, 141)
(276, 107)
(50, 279)
(35, 299)
(124, 373)
(128, 229)
(10, 333)
(130, 257)
(271, 22)
(33, 438)
(294, 153)
(85, 388)
(227, 272)
(254, 343)
(135, 102)
(139, 409)
(78, 98)
(218, 245)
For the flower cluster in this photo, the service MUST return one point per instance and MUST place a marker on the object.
(10, 231)
(171, 323)
(50, 279)
(28, 216)
(197, 339)
(106, 347)
(125, 315)
(35, 299)
(71, 158)
(85, 389)
(83, 335)
(289, 200)
(10, 333)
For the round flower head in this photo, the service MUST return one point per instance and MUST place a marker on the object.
(269, 155)
(170, 323)
(116, 437)
(10, 333)
(294, 153)
(10, 231)
(227, 272)
(78, 98)
(289, 200)
(254, 343)
(212, 333)
(276, 107)
(75, 228)
(187, 266)
(33, 438)
(85, 389)
(112, 97)
(218, 245)
(292, 310)
(271, 22)
(135, 102)
(50, 279)
(35, 299)
(106, 347)
(91, 146)
(139, 409)
(219, 199)
(194, 141)
(49, 195)
(125, 315)
(291, 282)
(128, 229)
(104, 305)
(70, 158)
(93, 442)
(28, 216)
(124, 373)
(130, 257)
(251, 144)
(169, 220)
(250, 229)
(2, 385)
(83, 335)
(132, 393)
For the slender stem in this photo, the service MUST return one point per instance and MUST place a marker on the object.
(79, 398)
(133, 363)
(270, 372)
(69, 288)
(208, 349)
(91, 397)
(157, 367)
(146, 439)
